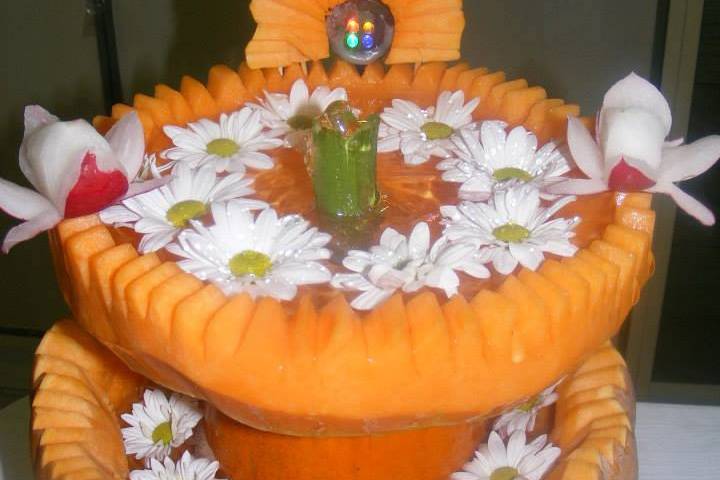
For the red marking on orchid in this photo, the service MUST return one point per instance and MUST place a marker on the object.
(625, 178)
(94, 189)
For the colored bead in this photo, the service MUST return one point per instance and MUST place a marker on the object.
(368, 41)
(360, 31)
(352, 41)
(352, 26)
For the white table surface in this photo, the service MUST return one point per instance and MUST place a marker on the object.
(675, 442)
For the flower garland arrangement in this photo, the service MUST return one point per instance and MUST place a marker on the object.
(510, 190)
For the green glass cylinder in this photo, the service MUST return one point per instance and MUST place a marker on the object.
(343, 166)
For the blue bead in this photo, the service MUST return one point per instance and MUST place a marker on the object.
(368, 41)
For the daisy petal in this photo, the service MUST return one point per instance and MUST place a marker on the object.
(516, 447)
(118, 214)
(155, 241)
(419, 240)
(299, 92)
(256, 160)
(445, 279)
(528, 256)
(371, 298)
(304, 274)
(496, 448)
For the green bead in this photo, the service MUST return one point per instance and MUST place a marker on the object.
(223, 147)
(182, 212)
(162, 433)
(504, 473)
(352, 40)
(250, 262)
(437, 130)
(511, 233)
(509, 173)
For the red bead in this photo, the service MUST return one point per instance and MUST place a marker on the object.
(352, 26)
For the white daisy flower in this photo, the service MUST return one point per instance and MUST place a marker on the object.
(286, 115)
(420, 134)
(494, 158)
(263, 256)
(157, 425)
(401, 262)
(162, 213)
(232, 144)
(523, 416)
(446, 258)
(518, 461)
(187, 468)
(512, 228)
(387, 267)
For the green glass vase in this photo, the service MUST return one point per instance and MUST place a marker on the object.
(342, 162)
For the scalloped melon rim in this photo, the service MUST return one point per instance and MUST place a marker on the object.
(594, 430)
(410, 363)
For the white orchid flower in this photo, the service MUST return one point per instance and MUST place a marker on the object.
(630, 152)
(75, 171)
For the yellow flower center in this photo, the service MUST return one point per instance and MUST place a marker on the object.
(223, 147)
(182, 212)
(504, 473)
(437, 130)
(163, 433)
(530, 404)
(508, 173)
(250, 262)
(511, 233)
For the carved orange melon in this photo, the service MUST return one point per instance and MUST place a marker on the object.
(422, 454)
(315, 366)
(594, 418)
(81, 390)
